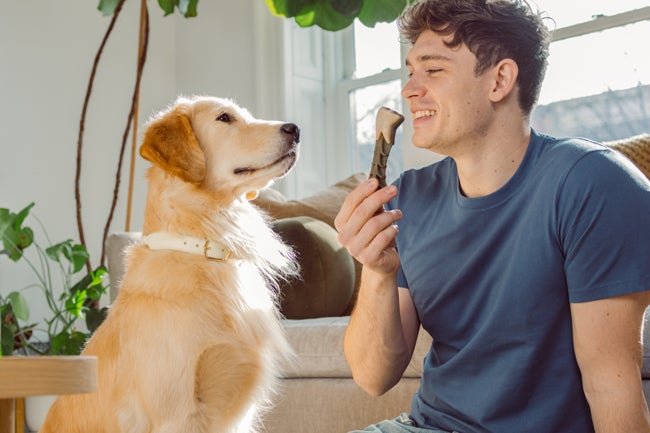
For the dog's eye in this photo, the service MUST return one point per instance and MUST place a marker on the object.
(224, 117)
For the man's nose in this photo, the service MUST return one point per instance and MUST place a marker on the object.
(412, 88)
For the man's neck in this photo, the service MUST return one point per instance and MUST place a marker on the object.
(492, 161)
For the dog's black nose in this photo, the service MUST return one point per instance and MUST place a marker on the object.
(291, 129)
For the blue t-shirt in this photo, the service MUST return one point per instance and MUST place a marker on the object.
(492, 279)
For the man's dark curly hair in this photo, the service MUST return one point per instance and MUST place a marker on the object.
(492, 30)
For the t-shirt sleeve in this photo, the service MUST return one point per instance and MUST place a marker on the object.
(603, 214)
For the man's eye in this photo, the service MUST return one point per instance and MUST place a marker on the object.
(224, 117)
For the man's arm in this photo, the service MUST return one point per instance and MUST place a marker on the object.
(380, 338)
(607, 344)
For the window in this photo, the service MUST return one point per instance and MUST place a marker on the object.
(375, 82)
(598, 80)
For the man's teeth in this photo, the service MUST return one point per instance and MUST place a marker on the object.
(424, 113)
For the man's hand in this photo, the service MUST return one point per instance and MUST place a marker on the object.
(366, 230)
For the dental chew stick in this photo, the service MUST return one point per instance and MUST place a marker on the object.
(387, 123)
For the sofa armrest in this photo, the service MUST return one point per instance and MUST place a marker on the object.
(318, 344)
(116, 245)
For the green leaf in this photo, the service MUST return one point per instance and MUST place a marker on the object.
(92, 283)
(15, 238)
(167, 6)
(8, 329)
(20, 217)
(74, 304)
(78, 257)
(76, 254)
(66, 343)
(94, 318)
(96, 288)
(188, 8)
(107, 7)
(56, 251)
(6, 219)
(19, 305)
(322, 14)
(348, 8)
(276, 7)
(375, 11)
(288, 8)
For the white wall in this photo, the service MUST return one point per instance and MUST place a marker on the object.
(46, 54)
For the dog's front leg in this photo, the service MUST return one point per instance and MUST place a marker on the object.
(227, 376)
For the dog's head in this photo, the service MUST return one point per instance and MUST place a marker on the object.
(215, 143)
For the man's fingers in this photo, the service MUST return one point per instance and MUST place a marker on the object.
(353, 200)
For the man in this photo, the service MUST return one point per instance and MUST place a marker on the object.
(524, 256)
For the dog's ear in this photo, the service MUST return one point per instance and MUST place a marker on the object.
(170, 143)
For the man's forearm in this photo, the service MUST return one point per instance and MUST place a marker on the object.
(619, 409)
(374, 344)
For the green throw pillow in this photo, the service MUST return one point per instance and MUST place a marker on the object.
(327, 275)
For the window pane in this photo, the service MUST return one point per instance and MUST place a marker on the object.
(376, 49)
(364, 103)
(566, 13)
(602, 93)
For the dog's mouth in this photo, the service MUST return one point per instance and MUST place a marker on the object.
(290, 157)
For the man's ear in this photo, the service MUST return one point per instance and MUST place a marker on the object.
(169, 142)
(505, 79)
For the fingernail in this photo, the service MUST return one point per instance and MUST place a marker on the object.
(371, 183)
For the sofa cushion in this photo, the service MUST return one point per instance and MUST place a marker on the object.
(326, 281)
(636, 149)
(323, 205)
(318, 344)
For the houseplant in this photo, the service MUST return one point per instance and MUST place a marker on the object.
(57, 269)
(334, 15)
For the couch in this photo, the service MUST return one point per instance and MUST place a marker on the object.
(318, 394)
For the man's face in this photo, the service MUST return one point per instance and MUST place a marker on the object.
(449, 102)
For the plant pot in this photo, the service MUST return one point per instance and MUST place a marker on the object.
(36, 408)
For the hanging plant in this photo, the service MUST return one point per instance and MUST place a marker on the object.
(334, 15)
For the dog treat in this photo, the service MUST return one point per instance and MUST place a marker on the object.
(387, 123)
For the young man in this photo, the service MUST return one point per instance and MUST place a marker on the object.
(522, 255)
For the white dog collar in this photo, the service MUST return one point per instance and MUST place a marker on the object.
(211, 250)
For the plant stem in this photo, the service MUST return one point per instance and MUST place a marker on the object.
(82, 122)
(142, 57)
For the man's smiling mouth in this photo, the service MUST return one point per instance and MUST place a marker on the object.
(423, 113)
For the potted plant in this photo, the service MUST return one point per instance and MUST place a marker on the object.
(69, 293)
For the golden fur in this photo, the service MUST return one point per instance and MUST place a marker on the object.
(191, 345)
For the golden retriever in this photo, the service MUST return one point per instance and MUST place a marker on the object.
(193, 342)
